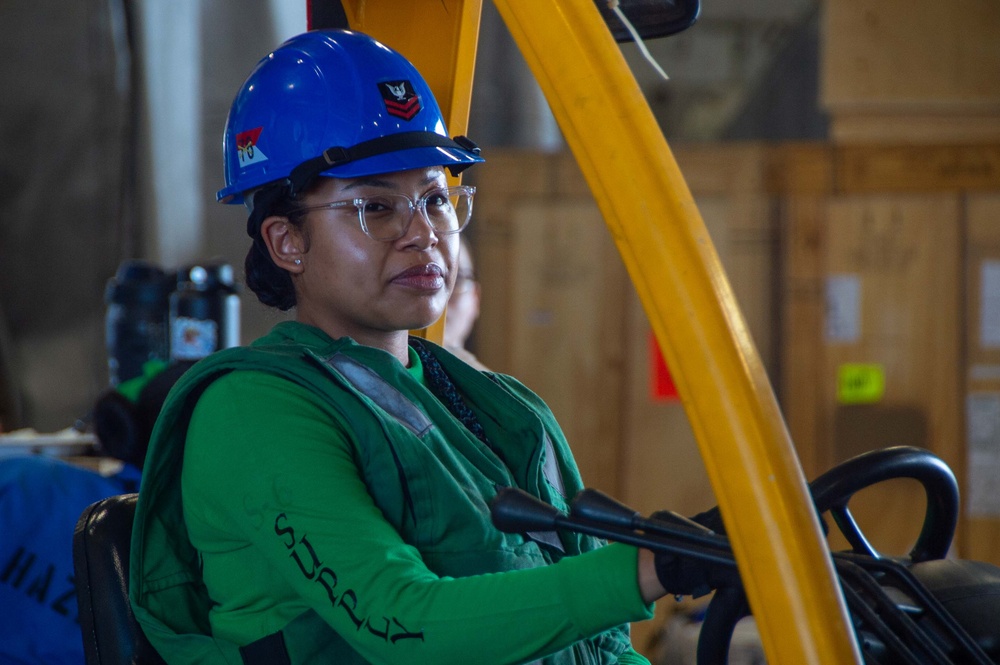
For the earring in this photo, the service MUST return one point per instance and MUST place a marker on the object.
(298, 262)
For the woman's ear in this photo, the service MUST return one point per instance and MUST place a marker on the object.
(284, 243)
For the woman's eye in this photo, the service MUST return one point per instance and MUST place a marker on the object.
(437, 199)
(376, 206)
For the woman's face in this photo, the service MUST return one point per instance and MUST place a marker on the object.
(352, 285)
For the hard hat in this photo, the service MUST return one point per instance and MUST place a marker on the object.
(334, 103)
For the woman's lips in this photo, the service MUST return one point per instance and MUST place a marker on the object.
(427, 277)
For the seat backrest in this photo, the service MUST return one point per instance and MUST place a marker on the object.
(101, 546)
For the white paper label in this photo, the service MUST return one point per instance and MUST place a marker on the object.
(193, 339)
(983, 423)
(984, 372)
(989, 305)
(843, 308)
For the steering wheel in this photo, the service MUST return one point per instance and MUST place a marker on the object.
(831, 493)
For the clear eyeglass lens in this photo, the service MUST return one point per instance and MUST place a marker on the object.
(388, 216)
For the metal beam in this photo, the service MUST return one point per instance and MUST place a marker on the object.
(727, 396)
(440, 38)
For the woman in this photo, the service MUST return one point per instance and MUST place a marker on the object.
(323, 494)
(463, 308)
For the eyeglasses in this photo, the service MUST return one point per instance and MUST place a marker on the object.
(386, 217)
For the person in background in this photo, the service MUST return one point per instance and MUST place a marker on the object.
(463, 308)
(41, 499)
(321, 496)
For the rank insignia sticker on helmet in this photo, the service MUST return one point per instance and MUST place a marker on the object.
(246, 144)
(400, 99)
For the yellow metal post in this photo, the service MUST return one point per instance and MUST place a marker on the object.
(440, 38)
(651, 215)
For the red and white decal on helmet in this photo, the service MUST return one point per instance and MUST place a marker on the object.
(400, 99)
(246, 145)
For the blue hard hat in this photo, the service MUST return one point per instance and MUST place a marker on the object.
(334, 103)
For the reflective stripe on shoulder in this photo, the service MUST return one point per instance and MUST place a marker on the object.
(367, 382)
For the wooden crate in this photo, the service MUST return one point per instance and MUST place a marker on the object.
(562, 320)
(911, 70)
(897, 222)
(904, 252)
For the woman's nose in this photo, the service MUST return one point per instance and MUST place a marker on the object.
(420, 231)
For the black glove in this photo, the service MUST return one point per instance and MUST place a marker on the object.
(686, 575)
(711, 519)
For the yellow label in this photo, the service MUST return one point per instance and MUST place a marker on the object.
(859, 383)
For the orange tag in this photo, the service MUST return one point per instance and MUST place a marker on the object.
(662, 388)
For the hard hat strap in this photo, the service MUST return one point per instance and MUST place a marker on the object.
(337, 155)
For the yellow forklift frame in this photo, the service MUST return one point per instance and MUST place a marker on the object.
(749, 456)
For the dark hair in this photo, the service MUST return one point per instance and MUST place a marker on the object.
(272, 285)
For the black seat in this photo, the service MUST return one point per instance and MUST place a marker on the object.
(101, 545)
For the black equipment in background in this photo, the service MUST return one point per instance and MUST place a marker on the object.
(650, 18)
(204, 311)
(136, 319)
(155, 317)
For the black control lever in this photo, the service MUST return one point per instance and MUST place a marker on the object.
(595, 505)
(515, 511)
